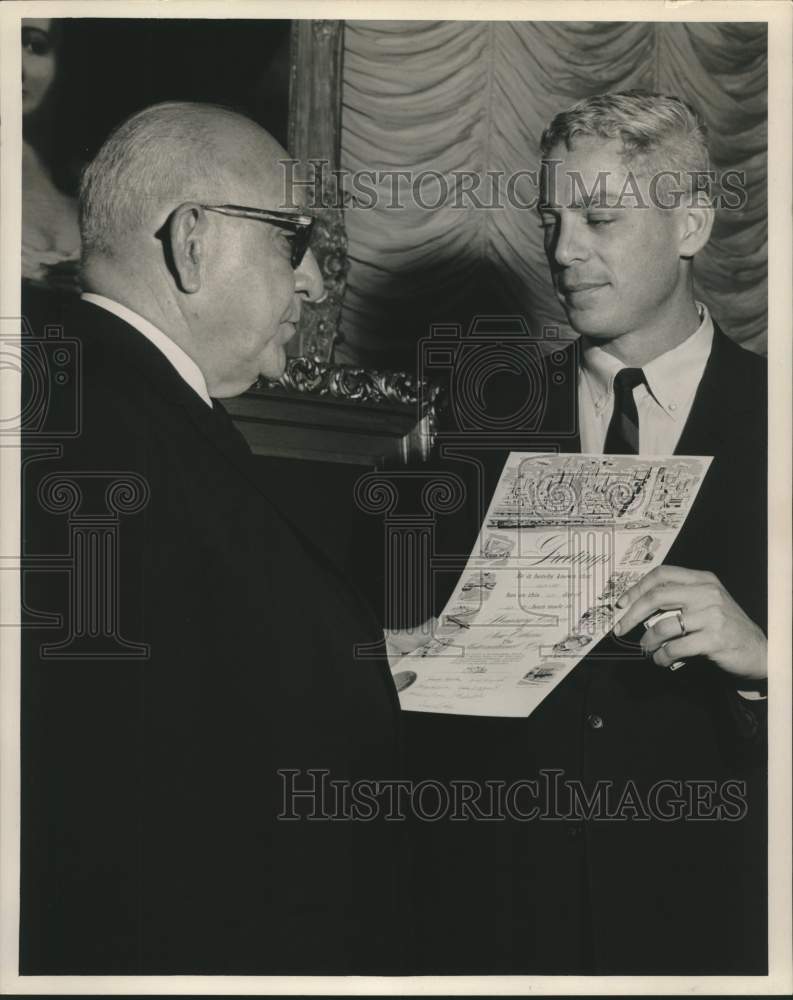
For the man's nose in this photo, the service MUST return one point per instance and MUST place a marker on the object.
(308, 278)
(570, 245)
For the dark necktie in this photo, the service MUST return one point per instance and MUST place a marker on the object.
(623, 433)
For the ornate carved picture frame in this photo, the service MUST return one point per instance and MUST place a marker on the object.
(315, 81)
(319, 410)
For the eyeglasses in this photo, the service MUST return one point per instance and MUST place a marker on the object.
(300, 226)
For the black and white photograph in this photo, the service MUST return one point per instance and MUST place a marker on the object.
(396, 484)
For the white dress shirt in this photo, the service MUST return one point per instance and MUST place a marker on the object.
(663, 404)
(182, 362)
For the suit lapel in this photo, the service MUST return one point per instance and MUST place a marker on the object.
(215, 425)
(717, 404)
(158, 374)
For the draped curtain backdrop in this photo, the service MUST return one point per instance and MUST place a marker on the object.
(475, 96)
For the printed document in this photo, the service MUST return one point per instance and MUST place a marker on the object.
(564, 537)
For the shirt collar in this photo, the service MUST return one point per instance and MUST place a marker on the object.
(672, 377)
(182, 362)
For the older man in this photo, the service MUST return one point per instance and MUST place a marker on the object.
(214, 648)
(674, 881)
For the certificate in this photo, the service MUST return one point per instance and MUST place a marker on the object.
(564, 537)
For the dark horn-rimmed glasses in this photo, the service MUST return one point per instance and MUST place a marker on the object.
(299, 226)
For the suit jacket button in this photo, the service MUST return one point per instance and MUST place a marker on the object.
(595, 721)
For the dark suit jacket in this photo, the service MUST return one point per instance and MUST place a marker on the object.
(150, 837)
(630, 896)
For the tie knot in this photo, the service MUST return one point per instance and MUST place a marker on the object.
(627, 379)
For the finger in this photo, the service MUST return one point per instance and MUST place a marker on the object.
(669, 628)
(660, 576)
(665, 597)
(683, 648)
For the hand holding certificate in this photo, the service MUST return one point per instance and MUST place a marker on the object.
(707, 623)
(564, 538)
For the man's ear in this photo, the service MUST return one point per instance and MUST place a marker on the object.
(186, 232)
(697, 221)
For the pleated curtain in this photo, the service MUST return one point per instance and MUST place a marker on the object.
(456, 96)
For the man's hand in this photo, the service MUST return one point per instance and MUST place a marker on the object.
(401, 641)
(715, 626)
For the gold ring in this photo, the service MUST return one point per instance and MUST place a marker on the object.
(681, 621)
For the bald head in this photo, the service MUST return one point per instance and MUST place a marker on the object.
(226, 288)
(168, 154)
